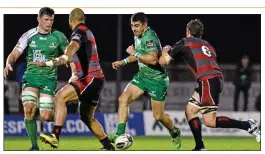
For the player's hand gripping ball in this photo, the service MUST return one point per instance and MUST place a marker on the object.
(124, 141)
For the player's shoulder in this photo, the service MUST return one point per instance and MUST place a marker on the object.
(206, 42)
(150, 35)
(182, 41)
(30, 32)
(57, 32)
(150, 32)
(189, 40)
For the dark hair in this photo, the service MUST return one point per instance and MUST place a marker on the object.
(46, 11)
(139, 16)
(196, 28)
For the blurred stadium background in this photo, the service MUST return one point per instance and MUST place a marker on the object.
(231, 35)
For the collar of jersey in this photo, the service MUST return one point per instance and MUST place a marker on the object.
(43, 34)
(78, 26)
(144, 32)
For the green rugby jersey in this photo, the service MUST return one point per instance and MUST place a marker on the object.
(42, 48)
(144, 44)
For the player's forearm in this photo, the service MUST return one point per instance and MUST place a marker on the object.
(11, 59)
(62, 60)
(162, 61)
(73, 69)
(129, 59)
(165, 58)
(66, 57)
(148, 59)
(71, 49)
(13, 56)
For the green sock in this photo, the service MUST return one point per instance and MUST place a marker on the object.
(31, 127)
(173, 133)
(121, 128)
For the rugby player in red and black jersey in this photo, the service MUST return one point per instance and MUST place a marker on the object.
(85, 84)
(201, 58)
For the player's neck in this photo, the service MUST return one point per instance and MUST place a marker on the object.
(42, 31)
(74, 24)
(144, 31)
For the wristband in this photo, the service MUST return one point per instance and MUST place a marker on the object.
(125, 61)
(136, 54)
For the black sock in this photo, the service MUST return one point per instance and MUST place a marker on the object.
(196, 129)
(225, 122)
(105, 142)
(57, 131)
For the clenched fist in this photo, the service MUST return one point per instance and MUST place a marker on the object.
(117, 64)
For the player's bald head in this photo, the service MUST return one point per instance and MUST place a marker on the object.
(77, 15)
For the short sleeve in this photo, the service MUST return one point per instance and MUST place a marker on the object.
(23, 42)
(150, 45)
(76, 36)
(63, 42)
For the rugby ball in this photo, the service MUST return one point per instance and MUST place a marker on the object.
(124, 141)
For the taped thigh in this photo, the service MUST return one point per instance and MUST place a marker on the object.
(29, 97)
(195, 103)
(209, 109)
(46, 103)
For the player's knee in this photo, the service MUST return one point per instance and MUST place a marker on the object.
(209, 122)
(123, 99)
(157, 115)
(29, 110)
(193, 107)
(60, 98)
(29, 100)
(46, 115)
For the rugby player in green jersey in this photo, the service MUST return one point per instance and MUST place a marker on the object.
(152, 78)
(42, 44)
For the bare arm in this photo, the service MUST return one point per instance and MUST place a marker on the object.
(74, 76)
(71, 49)
(11, 59)
(13, 56)
(130, 59)
(165, 58)
(118, 64)
(151, 58)
(66, 58)
(73, 68)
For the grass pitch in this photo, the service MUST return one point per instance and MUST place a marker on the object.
(140, 143)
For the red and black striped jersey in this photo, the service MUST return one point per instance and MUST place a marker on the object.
(199, 55)
(86, 59)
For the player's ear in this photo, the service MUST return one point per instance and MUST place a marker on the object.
(145, 24)
(70, 20)
(187, 32)
(38, 18)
